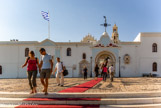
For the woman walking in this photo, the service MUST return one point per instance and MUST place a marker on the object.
(32, 63)
(96, 69)
(104, 72)
(85, 70)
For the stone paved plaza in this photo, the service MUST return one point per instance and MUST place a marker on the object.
(119, 85)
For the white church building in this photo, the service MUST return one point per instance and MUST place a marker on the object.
(130, 59)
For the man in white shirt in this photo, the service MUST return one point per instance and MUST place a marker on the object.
(59, 69)
(111, 72)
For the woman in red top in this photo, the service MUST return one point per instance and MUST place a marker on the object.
(104, 72)
(33, 63)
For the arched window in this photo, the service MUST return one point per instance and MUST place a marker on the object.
(0, 69)
(26, 52)
(154, 67)
(84, 56)
(69, 51)
(154, 47)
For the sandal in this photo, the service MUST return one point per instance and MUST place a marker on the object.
(31, 92)
(35, 91)
(43, 90)
(46, 93)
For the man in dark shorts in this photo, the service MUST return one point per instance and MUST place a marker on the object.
(46, 68)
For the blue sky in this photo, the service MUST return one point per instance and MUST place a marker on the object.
(73, 19)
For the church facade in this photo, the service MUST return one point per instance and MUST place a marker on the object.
(130, 59)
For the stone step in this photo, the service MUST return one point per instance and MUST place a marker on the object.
(108, 100)
(81, 101)
(50, 106)
(81, 95)
(132, 106)
(101, 106)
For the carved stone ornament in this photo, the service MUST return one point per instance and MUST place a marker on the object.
(126, 59)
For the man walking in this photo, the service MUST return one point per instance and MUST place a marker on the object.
(46, 68)
(85, 70)
(111, 71)
(59, 69)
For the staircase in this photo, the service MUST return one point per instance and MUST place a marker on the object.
(81, 100)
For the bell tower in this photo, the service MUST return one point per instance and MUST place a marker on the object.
(115, 35)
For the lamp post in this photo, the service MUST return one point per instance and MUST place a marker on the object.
(91, 68)
(119, 67)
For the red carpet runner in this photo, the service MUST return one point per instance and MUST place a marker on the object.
(82, 87)
(62, 99)
(58, 106)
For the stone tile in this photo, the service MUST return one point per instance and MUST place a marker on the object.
(119, 85)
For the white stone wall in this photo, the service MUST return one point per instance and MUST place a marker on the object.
(141, 56)
(12, 56)
(129, 70)
(11, 59)
(147, 57)
(75, 58)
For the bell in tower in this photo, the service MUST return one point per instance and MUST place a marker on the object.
(115, 35)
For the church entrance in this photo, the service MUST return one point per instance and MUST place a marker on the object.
(81, 66)
(105, 57)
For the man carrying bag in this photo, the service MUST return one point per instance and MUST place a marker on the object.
(59, 69)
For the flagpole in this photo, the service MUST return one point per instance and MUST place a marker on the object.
(49, 26)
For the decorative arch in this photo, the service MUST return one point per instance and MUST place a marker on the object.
(81, 66)
(105, 56)
(26, 52)
(107, 53)
(154, 47)
(69, 51)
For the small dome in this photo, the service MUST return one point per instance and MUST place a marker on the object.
(105, 39)
(105, 34)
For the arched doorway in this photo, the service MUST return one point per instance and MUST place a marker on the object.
(81, 66)
(105, 56)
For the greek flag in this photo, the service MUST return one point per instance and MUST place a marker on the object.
(45, 15)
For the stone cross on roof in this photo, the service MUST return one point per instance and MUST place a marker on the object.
(105, 24)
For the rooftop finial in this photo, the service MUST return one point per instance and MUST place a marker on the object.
(105, 24)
